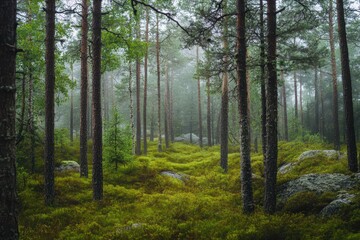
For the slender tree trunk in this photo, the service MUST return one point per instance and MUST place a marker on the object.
(224, 129)
(286, 131)
(84, 91)
(322, 121)
(166, 107)
(152, 124)
(72, 106)
(271, 113)
(131, 106)
(199, 97)
(23, 107)
(31, 121)
(138, 108)
(301, 105)
(158, 82)
(262, 79)
(246, 187)
(49, 99)
(8, 194)
(208, 117)
(145, 82)
(316, 89)
(171, 107)
(334, 79)
(97, 174)
(346, 79)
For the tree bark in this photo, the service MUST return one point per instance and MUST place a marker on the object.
(286, 130)
(271, 113)
(166, 107)
(97, 174)
(199, 98)
(208, 117)
(246, 182)
(317, 115)
(346, 79)
(84, 90)
(224, 129)
(138, 108)
(262, 79)
(8, 194)
(145, 82)
(49, 99)
(72, 107)
(158, 82)
(334, 79)
(131, 106)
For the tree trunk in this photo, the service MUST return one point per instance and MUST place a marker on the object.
(97, 178)
(49, 99)
(158, 82)
(208, 117)
(316, 89)
(286, 131)
(334, 79)
(262, 79)
(23, 107)
(31, 121)
(72, 106)
(8, 194)
(346, 79)
(224, 129)
(199, 97)
(84, 91)
(271, 113)
(138, 108)
(322, 121)
(152, 125)
(131, 106)
(145, 82)
(166, 107)
(246, 187)
(171, 106)
(301, 105)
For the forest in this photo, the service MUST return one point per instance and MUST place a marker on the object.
(159, 119)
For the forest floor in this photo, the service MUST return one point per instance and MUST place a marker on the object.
(141, 203)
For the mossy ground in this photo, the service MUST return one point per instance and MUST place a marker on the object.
(139, 203)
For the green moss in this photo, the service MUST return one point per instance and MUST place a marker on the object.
(140, 203)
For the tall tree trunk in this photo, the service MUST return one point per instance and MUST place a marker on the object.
(199, 97)
(286, 130)
(246, 187)
(208, 117)
(31, 121)
(271, 113)
(49, 99)
(8, 194)
(334, 79)
(346, 79)
(322, 120)
(301, 104)
(23, 107)
(166, 107)
(158, 82)
(97, 174)
(131, 106)
(152, 124)
(262, 79)
(138, 108)
(145, 82)
(224, 129)
(171, 107)
(72, 106)
(84, 90)
(316, 89)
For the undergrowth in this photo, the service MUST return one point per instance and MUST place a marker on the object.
(140, 203)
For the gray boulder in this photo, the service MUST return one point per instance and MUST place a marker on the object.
(318, 183)
(181, 177)
(330, 154)
(68, 166)
(335, 206)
